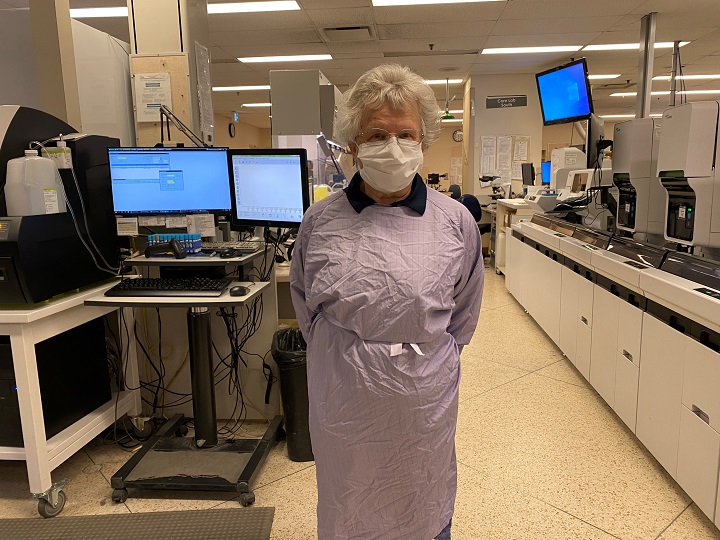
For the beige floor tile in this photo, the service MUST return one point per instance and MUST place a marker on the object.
(479, 376)
(560, 444)
(564, 371)
(490, 510)
(692, 524)
(295, 500)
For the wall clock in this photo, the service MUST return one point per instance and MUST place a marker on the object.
(457, 135)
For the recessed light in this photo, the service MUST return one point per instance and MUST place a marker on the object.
(91, 13)
(631, 94)
(296, 58)
(455, 111)
(698, 92)
(443, 81)
(617, 116)
(630, 46)
(240, 88)
(252, 7)
(524, 50)
(256, 104)
(384, 3)
(597, 77)
(686, 77)
(452, 120)
(658, 115)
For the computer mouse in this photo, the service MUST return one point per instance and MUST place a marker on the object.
(239, 290)
(228, 253)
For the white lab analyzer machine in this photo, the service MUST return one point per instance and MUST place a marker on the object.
(564, 159)
(642, 199)
(688, 169)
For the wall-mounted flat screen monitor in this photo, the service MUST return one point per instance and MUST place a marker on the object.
(269, 187)
(149, 181)
(564, 93)
(545, 172)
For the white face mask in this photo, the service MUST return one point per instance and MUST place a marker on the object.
(390, 166)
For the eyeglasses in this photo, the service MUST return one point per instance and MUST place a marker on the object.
(380, 135)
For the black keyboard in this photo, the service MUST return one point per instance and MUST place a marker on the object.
(169, 287)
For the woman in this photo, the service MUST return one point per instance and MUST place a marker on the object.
(386, 281)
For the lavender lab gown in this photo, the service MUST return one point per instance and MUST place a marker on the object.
(383, 424)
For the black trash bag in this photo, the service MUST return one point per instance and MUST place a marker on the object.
(289, 352)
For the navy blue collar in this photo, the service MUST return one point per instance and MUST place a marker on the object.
(416, 199)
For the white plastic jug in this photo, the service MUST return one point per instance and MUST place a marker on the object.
(33, 186)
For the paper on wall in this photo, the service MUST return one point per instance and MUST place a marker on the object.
(517, 170)
(488, 149)
(151, 91)
(151, 221)
(127, 226)
(176, 222)
(203, 224)
(521, 148)
(504, 156)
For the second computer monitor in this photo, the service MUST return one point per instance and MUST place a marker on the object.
(528, 174)
(269, 187)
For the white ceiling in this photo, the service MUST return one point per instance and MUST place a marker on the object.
(403, 34)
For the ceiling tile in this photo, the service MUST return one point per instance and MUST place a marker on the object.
(673, 7)
(439, 44)
(487, 11)
(264, 37)
(333, 18)
(219, 54)
(238, 22)
(429, 31)
(541, 40)
(352, 47)
(562, 25)
(552, 9)
(279, 49)
(376, 54)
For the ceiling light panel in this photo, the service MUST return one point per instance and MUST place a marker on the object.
(532, 50)
(240, 88)
(252, 7)
(443, 81)
(385, 3)
(91, 13)
(256, 104)
(602, 77)
(297, 58)
(687, 77)
(630, 46)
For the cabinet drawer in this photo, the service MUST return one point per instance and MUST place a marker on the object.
(701, 383)
(585, 301)
(604, 344)
(629, 331)
(569, 313)
(626, 390)
(698, 454)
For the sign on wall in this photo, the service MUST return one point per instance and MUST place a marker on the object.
(505, 102)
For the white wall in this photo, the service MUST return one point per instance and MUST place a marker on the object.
(508, 121)
(19, 84)
(103, 73)
(246, 136)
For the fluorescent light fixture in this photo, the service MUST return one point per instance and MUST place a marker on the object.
(656, 115)
(630, 46)
(525, 50)
(452, 120)
(252, 7)
(91, 13)
(598, 77)
(384, 3)
(295, 58)
(452, 111)
(240, 88)
(631, 94)
(256, 104)
(617, 116)
(698, 92)
(686, 77)
(443, 81)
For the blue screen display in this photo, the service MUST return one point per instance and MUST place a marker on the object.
(564, 94)
(545, 172)
(169, 180)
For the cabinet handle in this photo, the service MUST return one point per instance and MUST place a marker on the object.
(700, 414)
(584, 320)
(627, 355)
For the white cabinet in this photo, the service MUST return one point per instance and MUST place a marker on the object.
(514, 268)
(699, 445)
(584, 326)
(603, 360)
(660, 390)
(629, 332)
(627, 375)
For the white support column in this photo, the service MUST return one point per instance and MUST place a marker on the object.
(55, 60)
(646, 59)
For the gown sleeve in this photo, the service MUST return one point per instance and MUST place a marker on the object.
(303, 314)
(469, 288)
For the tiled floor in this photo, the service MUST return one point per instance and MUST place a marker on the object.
(540, 455)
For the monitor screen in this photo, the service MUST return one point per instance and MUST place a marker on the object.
(565, 93)
(528, 174)
(269, 187)
(169, 180)
(545, 171)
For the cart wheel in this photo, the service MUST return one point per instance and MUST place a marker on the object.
(147, 429)
(246, 499)
(181, 431)
(47, 510)
(119, 495)
(281, 435)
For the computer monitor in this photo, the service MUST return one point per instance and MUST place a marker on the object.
(528, 174)
(593, 135)
(545, 172)
(269, 187)
(149, 181)
(564, 93)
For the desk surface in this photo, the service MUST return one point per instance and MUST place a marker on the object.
(99, 299)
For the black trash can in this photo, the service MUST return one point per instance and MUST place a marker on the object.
(289, 352)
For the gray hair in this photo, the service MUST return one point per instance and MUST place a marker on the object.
(391, 84)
